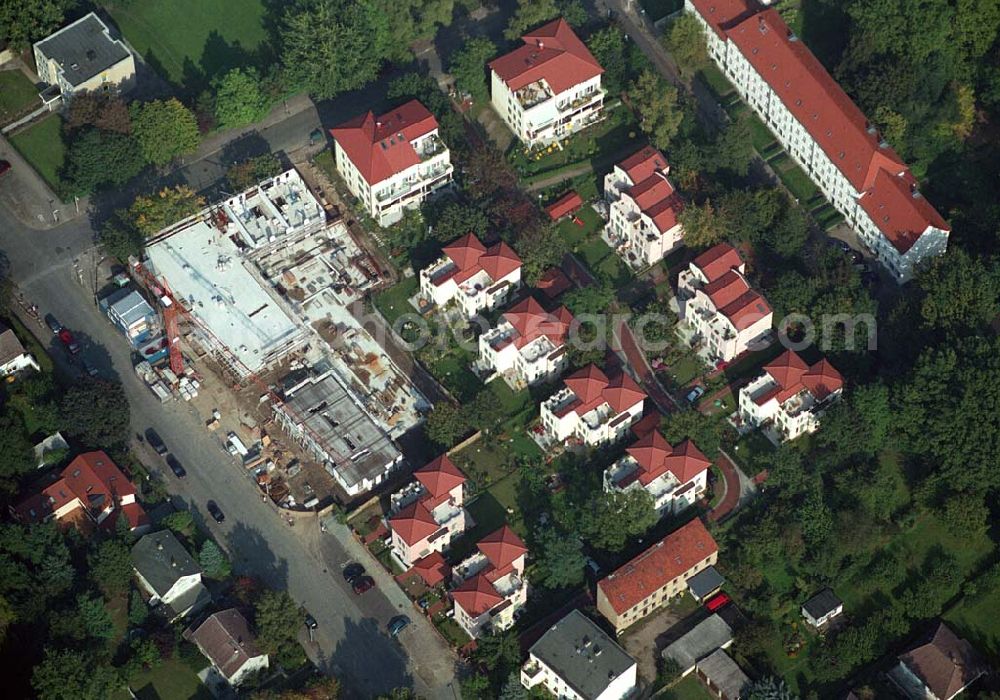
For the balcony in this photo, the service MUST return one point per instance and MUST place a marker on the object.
(469, 568)
(559, 401)
(533, 94)
(410, 493)
(579, 101)
(430, 147)
(531, 674)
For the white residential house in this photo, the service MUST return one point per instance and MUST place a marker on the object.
(822, 607)
(13, 357)
(576, 660)
(83, 57)
(393, 161)
(675, 476)
(643, 207)
(718, 304)
(549, 88)
(939, 669)
(477, 278)
(489, 586)
(824, 132)
(591, 409)
(428, 513)
(789, 397)
(168, 574)
(225, 639)
(528, 344)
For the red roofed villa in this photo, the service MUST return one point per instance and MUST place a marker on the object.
(718, 305)
(490, 589)
(393, 161)
(656, 576)
(824, 132)
(91, 491)
(643, 207)
(528, 345)
(788, 399)
(675, 476)
(592, 409)
(550, 87)
(476, 277)
(427, 514)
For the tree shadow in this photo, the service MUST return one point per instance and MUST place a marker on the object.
(252, 556)
(219, 57)
(370, 664)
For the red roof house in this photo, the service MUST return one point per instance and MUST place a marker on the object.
(553, 53)
(429, 512)
(569, 203)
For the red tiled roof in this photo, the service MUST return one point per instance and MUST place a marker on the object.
(587, 383)
(899, 211)
(531, 322)
(439, 476)
(622, 392)
(225, 638)
(470, 256)
(746, 310)
(655, 457)
(476, 596)
(591, 387)
(721, 14)
(569, 203)
(413, 523)
(658, 200)
(726, 289)
(791, 373)
(433, 569)
(502, 547)
(718, 260)
(643, 163)
(669, 558)
(380, 147)
(553, 53)
(946, 664)
(553, 283)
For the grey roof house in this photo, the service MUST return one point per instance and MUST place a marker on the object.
(83, 57)
(822, 607)
(704, 583)
(722, 675)
(168, 574)
(704, 638)
(225, 639)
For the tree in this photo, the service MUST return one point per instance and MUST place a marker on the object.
(213, 561)
(138, 611)
(966, 514)
(332, 46)
(702, 226)
(468, 66)
(96, 159)
(103, 111)
(532, 13)
(111, 566)
(560, 563)
(96, 412)
(960, 293)
(611, 519)
(685, 41)
(239, 100)
(475, 687)
(539, 247)
(451, 220)
(17, 455)
(498, 653)
(144, 655)
(151, 213)
(164, 130)
(704, 431)
(767, 688)
(594, 300)
(68, 674)
(22, 23)
(94, 617)
(120, 239)
(181, 522)
(512, 688)
(245, 174)
(656, 102)
(278, 620)
(609, 49)
(446, 424)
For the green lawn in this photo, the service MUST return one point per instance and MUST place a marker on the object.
(192, 41)
(716, 82)
(593, 252)
(452, 370)
(573, 233)
(42, 145)
(455, 635)
(17, 95)
(171, 679)
(689, 688)
(797, 182)
(976, 619)
(394, 301)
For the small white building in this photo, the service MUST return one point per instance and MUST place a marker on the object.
(13, 357)
(132, 315)
(824, 132)
(168, 574)
(643, 208)
(427, 514)
(592, 409)
(789, 397)
(84, 57)
(528, 345)
(225, 639)
(675, 476)
(477, 278)
(549, 88)
(822, 607)
(489, 586)
(718, 304)
(393, 161)
(576, 660)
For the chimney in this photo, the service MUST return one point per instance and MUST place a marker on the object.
(541, 44)
(159, 545)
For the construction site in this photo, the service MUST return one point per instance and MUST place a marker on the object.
(256, 294)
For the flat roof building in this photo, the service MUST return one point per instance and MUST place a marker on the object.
(83, 56)
(704, 638)
(722, 675)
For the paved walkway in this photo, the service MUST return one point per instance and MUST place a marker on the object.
(642, 370)
(731, 496)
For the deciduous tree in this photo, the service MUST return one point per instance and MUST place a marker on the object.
(164, 130)
(111, 566)
(446, 424)
(659, 112)
(239, 100)
(560, 563)
(609, 520)
(609, 48)
(685, 41)
(151, 213)
(22, 23)
(97, 159)
(67, 674)
(96, 412)
(468, 66)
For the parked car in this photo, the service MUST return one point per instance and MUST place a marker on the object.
(362, 584)
(352, 571)
(88, 368)
(52, 323)
(718, 602)
(695, 394)
(398, 624)
(66, 336)
(311, 622)
(153, 438)
(5, 167)
(215, 511)
(177, 468)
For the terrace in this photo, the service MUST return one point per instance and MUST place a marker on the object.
(533, 94)
(431, 146)
(580, 100)
(469, 567)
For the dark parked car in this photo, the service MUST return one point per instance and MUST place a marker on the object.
(69, 341)
(362, 584)
(352, 571)
(398, 624)
(153, 438)
(311, 622)
(176, 467)
(52, 323)
(4, 167)
(215, 511)
(88, 368)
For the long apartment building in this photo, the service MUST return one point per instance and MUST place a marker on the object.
(656, 576)
(528, 345)
(548, 88)
(393, 161)
(475, 277)
(718, 304)
(824, 132)
(428, 513)
(592, 409)
(643, 207)
(489, 586)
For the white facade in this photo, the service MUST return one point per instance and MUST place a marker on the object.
(539, 117)
(590, 410)
(475, 277)
(669, 495)
(84, 57)
(443, 522)
(527, 346)
(182, 585)
(17, 363)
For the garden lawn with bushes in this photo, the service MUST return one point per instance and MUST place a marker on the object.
(42, 146)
